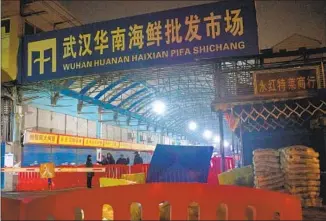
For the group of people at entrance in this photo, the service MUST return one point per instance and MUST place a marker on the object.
(122, 160)
(110, 160)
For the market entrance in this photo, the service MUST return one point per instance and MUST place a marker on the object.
(119, 73)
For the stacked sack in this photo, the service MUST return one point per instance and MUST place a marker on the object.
(267, 170)
(300, 165)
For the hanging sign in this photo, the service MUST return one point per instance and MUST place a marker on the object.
(125, 145)
(47, 170)
(111, 144)
(92, 142)
(71, 140)
(285, 81)
(9, 160)
(40, 138)
(75, 141)
(183, 35)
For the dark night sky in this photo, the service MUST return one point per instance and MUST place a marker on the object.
(276, 19)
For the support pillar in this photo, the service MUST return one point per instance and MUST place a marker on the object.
(137, 136)
(221, 130)
(16, 148)
(17, 128)
(99, 136)
(232, 144)
(241, 145)
(98, 129)
(237, 151)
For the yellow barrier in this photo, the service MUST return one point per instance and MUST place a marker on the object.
(239, 177)
(107, 212)
(139, 178)
(106, 182)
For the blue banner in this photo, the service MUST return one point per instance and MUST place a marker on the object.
(221, 29)
(180, 164)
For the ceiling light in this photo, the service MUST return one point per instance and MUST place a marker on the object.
(217, 139)
(192, 125)
(207, 134)
(158, 107)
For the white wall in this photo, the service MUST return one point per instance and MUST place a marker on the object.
(48, 121)
(52, 122)
(58, 123)
(91, 128)
(71, 125)
(82, 125)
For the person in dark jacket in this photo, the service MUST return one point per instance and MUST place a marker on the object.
(104, 161)
(138, 159)
(122, 160)
(110, 159)
(90, 175)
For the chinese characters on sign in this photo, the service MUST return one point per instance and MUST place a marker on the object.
(111, 144)
(40, 138)
(93, 142)
(219, 29)
(67, 140)
(285, 81)
(71, 140)
(140, 36)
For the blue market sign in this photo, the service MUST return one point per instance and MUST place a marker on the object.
(215, 30)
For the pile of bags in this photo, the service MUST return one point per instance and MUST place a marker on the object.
(300, 166)
(267, 170)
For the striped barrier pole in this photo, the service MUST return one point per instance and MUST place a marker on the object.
(57, 170)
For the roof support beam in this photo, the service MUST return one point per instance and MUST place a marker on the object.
(110, 87)
(132, 96)
(147, 102)
(99, 103)
(124, 90)
(79, 106)
(139, 101)
(56, 95)
(54, 98)
(88, 87)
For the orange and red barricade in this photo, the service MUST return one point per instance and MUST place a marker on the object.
(29, 179)
(225, 202)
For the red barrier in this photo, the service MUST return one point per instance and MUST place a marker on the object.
(115, 171)
(215, 169)
(31, 181)
(139, 168)
(214, 203)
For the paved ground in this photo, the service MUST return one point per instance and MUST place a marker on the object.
(318, 214)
